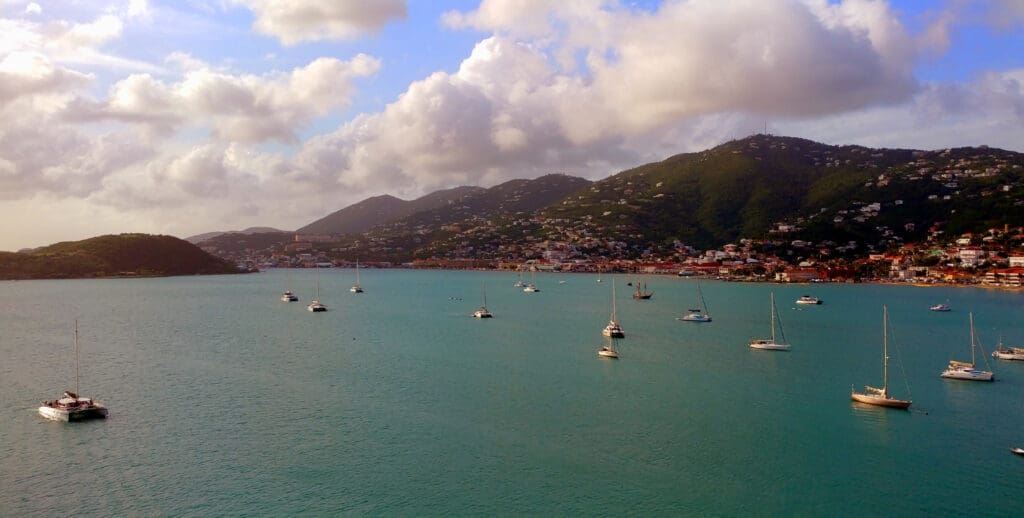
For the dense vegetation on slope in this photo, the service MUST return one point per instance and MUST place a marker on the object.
(366, 214)
(112, 255)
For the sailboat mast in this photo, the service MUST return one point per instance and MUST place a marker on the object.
(885, 349)
(773, 316)
(483, 287)
(971, 316)
(614, 318)
(77, 391)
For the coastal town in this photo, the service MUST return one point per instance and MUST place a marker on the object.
(995, 258)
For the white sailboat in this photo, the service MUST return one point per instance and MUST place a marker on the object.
(356, 288)
(608, 350)
(1008, 353)
(315, 305)
(531, 288)
(71, 406)
(613, 329)
(288, 296)
(483, 312)
(519, 283)
(699, 314)
(880, 396)
(965, 371)
(771, 344)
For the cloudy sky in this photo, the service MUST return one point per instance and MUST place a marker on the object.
(186, 116)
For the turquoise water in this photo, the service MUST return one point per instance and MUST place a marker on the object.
(225, 401)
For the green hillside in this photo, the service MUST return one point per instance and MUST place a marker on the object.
(113, 255)
(364, 215)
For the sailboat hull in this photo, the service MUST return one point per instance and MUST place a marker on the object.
(95, 411)
(969, 375)
(608, 353)
(879, 400)
(768, 345)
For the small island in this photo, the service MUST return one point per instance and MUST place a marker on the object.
(123, 255)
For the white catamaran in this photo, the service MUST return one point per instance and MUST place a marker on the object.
(315, 305)
(965, 371)
(71, 406)
(483, 312)
(613, 329)
(880, 396)
(771, 344)
(699, 314)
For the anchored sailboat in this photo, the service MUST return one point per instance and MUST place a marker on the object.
(880, 396)
(483, 311)
(71, 406)
(966, 371)
(699, 314)
(315, 305)
(641, 292)
(356, 288)
(613, 329)
(771, 344)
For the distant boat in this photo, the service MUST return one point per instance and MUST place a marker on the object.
(698, 314)
(288, 296)
(880, 396)
(356, 288)
(771, 344)
(483, 312)
(608, 351)
(686, 273)
(641, 292)
(71, 406)
(807, 299)
(531, 288)
(939, 307)
(519, 283)
(315, 305)
(613, 329)
(966, 371)
(1018, 451)
(1009, 353)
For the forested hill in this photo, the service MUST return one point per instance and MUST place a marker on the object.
(113, 255)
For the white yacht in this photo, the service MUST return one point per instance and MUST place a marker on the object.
(315, 305)
(880, 396)
(698, 314)
(608, 351)
(1009, 353)
(807, 299)
(356, 288)
(519, 283)
(966, 371)
(72, 407)
(483, 312)
(613, 329)
(770, 344)
(531, 288)
(940, 307)
(289, 297)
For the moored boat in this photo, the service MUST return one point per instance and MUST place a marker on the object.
(770, 344)
(72, 407)
(939, 308)
(807, 299)
(967, 371)
(880, 396)
(613, 329)
(1008, 353)
(695, 314)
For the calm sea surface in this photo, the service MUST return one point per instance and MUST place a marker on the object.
(226, 401)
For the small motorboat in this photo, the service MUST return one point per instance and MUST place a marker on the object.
(1018, 451)
(939, 307)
